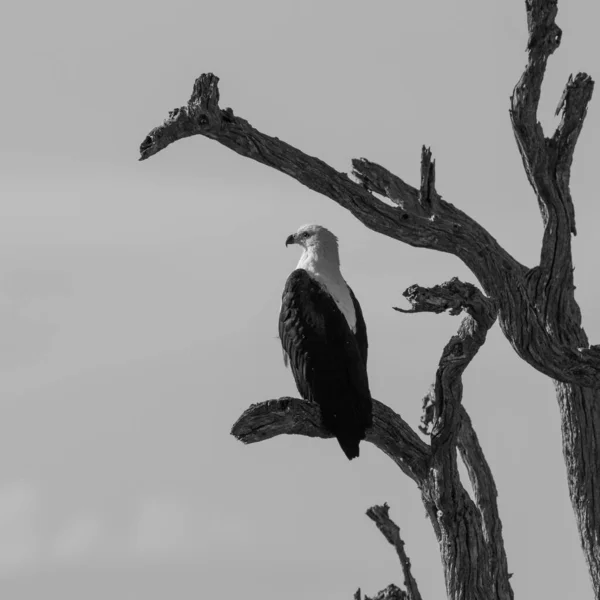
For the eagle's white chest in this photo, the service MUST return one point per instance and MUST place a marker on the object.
(339, 291)
(331, 279)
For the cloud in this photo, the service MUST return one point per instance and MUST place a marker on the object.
(164, 527)
(19, 541)
(82, 536)
(161, 528)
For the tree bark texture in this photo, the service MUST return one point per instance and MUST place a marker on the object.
(550, 285)
(535, 307)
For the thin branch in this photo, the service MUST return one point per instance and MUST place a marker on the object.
(486, 500)
(428, 197)
(547, 162)
(391, 532)
(440, 418)
(573, 105)
(390, 433)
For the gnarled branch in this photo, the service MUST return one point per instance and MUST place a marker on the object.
(421, 218)
(390, 433)
(441, 404)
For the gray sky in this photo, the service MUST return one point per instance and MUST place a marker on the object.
(138, 301)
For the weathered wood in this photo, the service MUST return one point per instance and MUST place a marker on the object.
(551, 288)
(390, 433)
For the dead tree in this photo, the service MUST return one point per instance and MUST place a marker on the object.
(536, 309)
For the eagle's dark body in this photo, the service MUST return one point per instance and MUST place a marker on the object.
(328, 359)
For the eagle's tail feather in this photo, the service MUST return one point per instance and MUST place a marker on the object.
(349, 423)
(349, 446)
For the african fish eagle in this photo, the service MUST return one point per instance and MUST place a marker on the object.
(324, 338)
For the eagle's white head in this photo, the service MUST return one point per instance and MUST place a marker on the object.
(319, 244)
(321, 259)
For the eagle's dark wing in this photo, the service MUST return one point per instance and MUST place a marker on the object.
(328, 365)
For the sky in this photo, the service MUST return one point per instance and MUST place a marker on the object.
(139, 300)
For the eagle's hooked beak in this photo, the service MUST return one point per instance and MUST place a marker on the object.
(291, 239)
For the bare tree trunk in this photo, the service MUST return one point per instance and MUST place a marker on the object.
(547, 162)
(536, 309)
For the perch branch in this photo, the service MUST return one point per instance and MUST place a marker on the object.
(390, 433)
(391, 532)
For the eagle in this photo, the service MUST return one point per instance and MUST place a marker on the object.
(324, 338)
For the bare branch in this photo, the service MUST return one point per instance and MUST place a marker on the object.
(390, 433)
(486, 500)
(441, 404)
(450, 231)
(544, 39)
(573, 104)
(428, 197)
(391, 532)
(547, 162)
